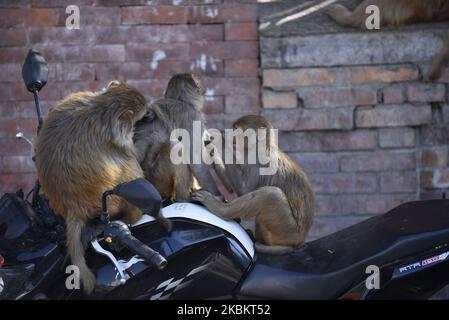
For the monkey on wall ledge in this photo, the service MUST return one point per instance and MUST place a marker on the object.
(282, 203)
(85, 148)
(181, 105)
(398, 13)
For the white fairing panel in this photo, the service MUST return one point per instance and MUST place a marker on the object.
(199, 213)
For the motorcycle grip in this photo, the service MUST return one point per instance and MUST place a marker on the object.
(152, 257)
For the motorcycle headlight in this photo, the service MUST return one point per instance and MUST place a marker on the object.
(13, 280)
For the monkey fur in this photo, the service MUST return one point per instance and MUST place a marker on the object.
(83, 149)
(181, 105)
(398, 13)
(282, 204)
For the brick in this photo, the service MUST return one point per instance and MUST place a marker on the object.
(328, 141)
(241, 31)
(150, 87)
(435, 157)
(394, 94)
(316, 162)
(378, 161)
(353, 48)
(56, 35)
(186, 33)
(12, 37)
(13, 54)
(16, 164)
(424, 92)
(59, 3)
(214, 104)
(75, 71)
(14, 147)
(68, 87)
(343, 183)
(146, 51)
(414, 92)
(242, 104)
(11, 72)
(397, 138)
(283, 100)
(361, 75)
(41, 17)
(398, 182)
(22, 109)
(318, 97)
(18, 92)
(223, 13)
(94, 16)
(291, 78)
(308, 119)
(435, 179)
(232, 86)
(9, 128)
(207, 66)
(242, 68)
(225, 50)
(14, 182)
(12, 18)
(154, 15)
(140, 70)
(95, 53)
(434, 135)
(393, 115)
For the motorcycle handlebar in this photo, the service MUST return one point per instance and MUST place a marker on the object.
(120, 232)
(153, 257)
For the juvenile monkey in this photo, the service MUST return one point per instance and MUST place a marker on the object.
(83, 149)
(397, 13)
(181, 105)
(282, 204)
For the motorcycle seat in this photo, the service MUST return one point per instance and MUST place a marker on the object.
(325, 268)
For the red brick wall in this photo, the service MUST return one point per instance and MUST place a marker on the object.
(118, 40)
(355, 111)
(352, 107)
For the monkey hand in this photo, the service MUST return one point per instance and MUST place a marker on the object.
(202, 196)
(338, 13)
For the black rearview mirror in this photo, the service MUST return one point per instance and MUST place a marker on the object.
(141, 193)
(35, 71)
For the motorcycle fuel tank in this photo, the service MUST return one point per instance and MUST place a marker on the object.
(206, 255)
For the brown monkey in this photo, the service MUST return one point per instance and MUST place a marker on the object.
(282, 204)
(392, 12)
(181, 105)
(85, 148)
(397, 13)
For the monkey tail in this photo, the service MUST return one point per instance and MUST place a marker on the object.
(76, 251)
(273, 250)
(163, 221)
(440, 61)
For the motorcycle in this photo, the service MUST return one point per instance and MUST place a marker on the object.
(403, 254)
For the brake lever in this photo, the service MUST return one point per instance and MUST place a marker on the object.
(98, 248)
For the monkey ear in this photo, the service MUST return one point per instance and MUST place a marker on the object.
(149, 115)
(113, 84)
(127, 116)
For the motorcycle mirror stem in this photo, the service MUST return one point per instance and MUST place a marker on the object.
(35, 76)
